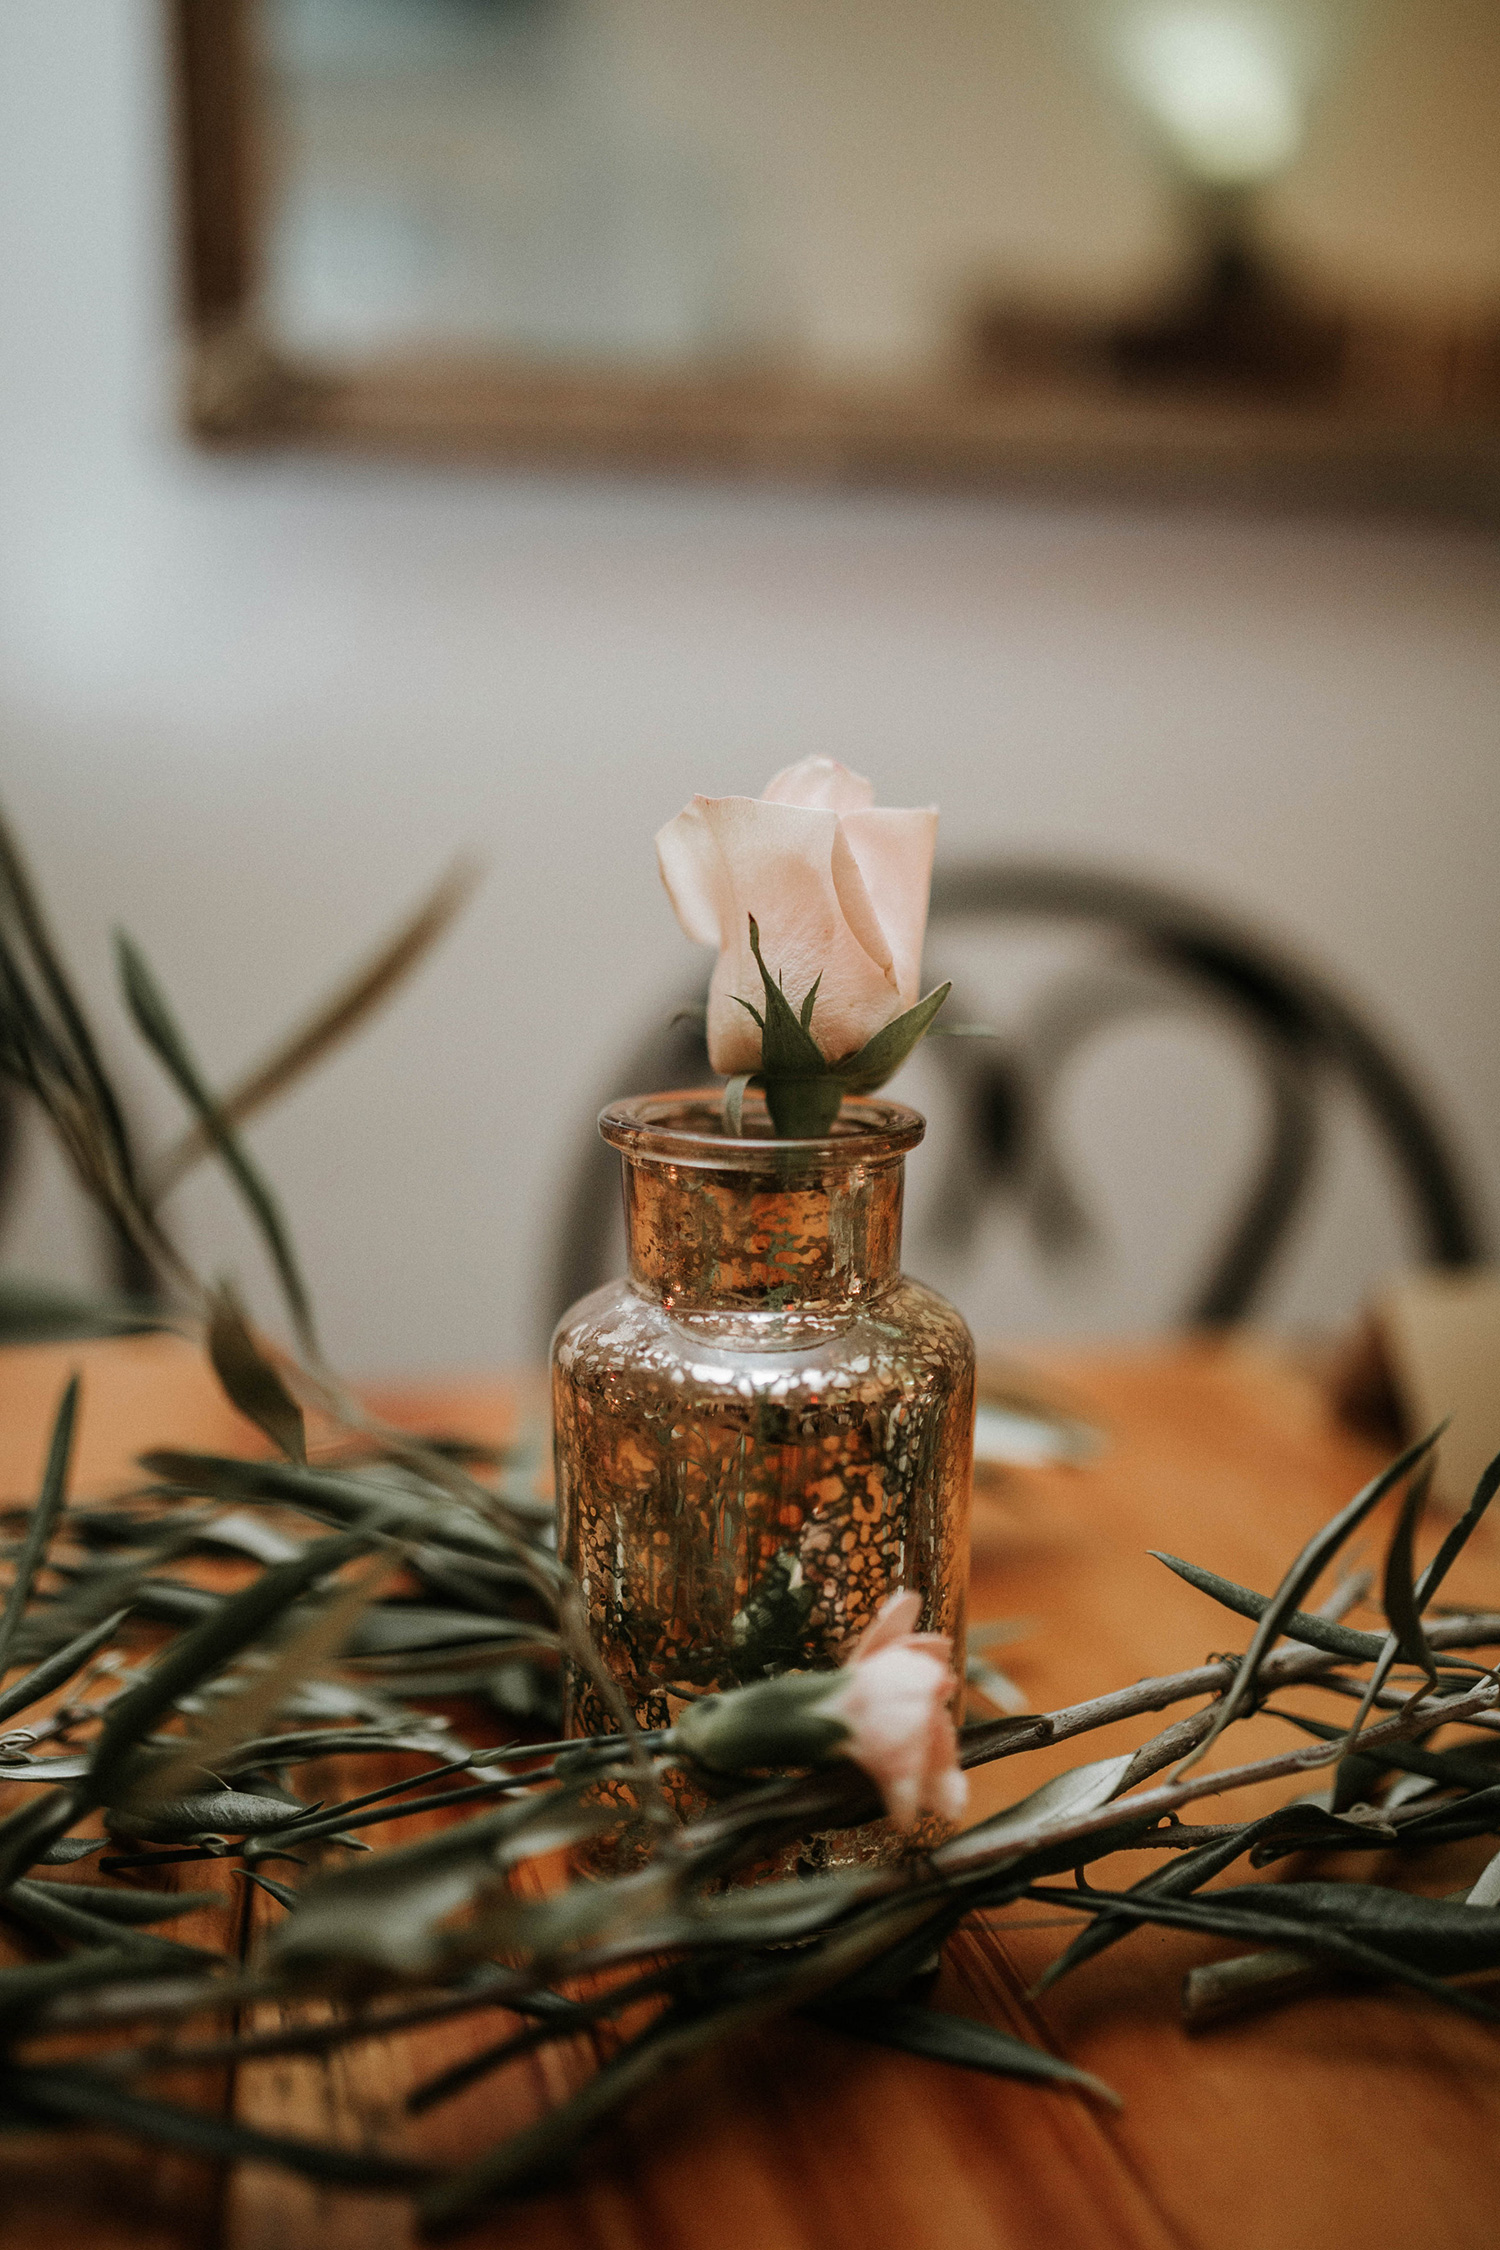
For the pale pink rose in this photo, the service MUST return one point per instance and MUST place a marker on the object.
(894, 1697)
(837, 886)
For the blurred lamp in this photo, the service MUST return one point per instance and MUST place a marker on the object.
(1221, 85)
(1227, 86)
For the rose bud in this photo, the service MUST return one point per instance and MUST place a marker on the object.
(886, 1709)
(838, 887)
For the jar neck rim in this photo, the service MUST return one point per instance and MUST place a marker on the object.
(687, 1128)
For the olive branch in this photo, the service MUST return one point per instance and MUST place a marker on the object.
(158, 1717)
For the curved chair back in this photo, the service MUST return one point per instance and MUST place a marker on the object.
(1160, 950)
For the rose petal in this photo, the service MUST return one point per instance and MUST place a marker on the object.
(793, 871)
(894, 851)
(693, 870)
(894, 1705)
(821, 783)
(896, 1616)
(838, 887)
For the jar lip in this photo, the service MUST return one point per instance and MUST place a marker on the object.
(687, 1127)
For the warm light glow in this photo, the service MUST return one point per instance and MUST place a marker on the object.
(1221, 81)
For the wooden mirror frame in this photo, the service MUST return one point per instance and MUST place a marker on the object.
(1410, 446)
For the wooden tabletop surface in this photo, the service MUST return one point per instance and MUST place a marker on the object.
(1333, 2123)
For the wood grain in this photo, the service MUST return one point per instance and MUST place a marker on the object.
(1326, 2125)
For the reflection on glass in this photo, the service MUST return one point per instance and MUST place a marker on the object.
(818, 186)
(490, 171)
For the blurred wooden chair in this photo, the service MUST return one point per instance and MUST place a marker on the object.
(1158, 951)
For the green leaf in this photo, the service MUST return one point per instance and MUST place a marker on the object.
(158, 1028)
(1457, 1769)
(1475, 1815)
(393, 1628)
(281, 1892)
(384, 1921)
(42, 1312)
(236, 1717)
(1447, 1937)
(1459, 1535)
(70, 1849)
(25, 1992)
(80, 2096)
(251, 1381)
(1080, 1790)
(43, 1518)
(29, 1833)
(956, 2039)
(1300, 1624)
(196, 1655)
(207, 1812)
(1325, 1937)
(120, 1902)
(19, 904)
(1296, 1827)
(49, 1907)
(882, 1055)
(1314, 1558)
(397, 1511)
(1399, 1594)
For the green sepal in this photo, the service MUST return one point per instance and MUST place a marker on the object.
(803, 1109)
(882, 1055)
(787, 1047)
(803, 1088)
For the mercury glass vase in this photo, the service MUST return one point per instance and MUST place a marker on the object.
(765, 1427)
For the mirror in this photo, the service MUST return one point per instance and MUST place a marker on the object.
(1239, 247)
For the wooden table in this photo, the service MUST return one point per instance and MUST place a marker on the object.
(1334, 2123)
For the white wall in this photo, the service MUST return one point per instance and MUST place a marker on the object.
(250, 707)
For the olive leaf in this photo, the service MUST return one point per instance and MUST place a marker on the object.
(1080, 1790)
(1292, 1827)
(1447, 1937)
(120, 1902)
(1459, 1535)
(158, 1027)
(1403, 1608)
(25, 1992)
(43, 1520)
(1321, 1931)
(251, 1381)
(1315, 1556)
(81, 2096)
(49, 1907)
(205, 1649)
(204, 1812)
(956, 2039)
(235, 1719)
(398, 1511)
(383, 1921)
(46, 1043)
(1299, 1624)
(45, 1312)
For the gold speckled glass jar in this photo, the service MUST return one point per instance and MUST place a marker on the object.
(765, 1427)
